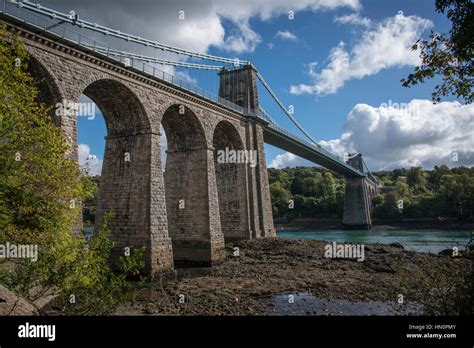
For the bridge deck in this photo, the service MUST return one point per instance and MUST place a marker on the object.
(282, 139)
(273, 134)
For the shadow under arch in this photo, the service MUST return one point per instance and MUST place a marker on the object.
(48, 90)
(230, 162)
(123, 112)
(189, 204)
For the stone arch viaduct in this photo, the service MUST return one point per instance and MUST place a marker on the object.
(186, 213)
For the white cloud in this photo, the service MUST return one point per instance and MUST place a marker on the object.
(197, 33)
(288, 159)
(245, 40)
(184, 75)
(353, 18)
(202, 26)
(270, 45)
(417, 133)
(266, 10)
(385, 46)
(394, 136)
(286, 35)
(88, 161)
(240, 13)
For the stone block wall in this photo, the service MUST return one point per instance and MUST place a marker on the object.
(231, 182)
(145, 201)
(357, 205)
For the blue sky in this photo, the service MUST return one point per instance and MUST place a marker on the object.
(355, 115)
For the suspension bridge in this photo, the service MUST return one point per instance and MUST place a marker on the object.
(126, 78)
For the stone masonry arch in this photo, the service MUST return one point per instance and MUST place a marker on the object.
(133, 184)
(191, 190)
(51, 93)
(48, 89)
(127, 175)
(123, 112)
(231, 177)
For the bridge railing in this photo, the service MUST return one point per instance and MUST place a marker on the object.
(16, 11)
(49, 26)
(44, 24)
(264, 115)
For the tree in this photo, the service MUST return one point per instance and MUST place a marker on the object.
(90, 203)
(41, 194)
(329, 188)
(437, 173)
(396, 173)
(37, 181)
(403, 190)
(299, 208)
(279, 194)
(457, 194)
(304, 172)
(280, 199)
(277, 175)
(312, 207)
(311, 186)
(416, 179)
(448, 56)
(441, 192)
(386, 206)
(298, 186)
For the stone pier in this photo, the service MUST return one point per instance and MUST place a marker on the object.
(358, 198)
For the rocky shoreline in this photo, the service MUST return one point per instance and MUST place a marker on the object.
(270, 272)
(282, 276)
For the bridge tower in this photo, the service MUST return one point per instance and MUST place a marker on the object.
(239, 86)
(358, 198)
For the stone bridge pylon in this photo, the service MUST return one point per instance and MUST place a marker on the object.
(205, 197)
(358, 198)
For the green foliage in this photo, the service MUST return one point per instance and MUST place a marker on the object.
(416, 179)
(41, 194)
(457, 192)
(316, 192)
(298, 186)
(90, 203)
(37, 181)
(96, 288)
(452, 292)
(437, 193)
(388, 206)
(403, 190)
(77, 269)
(449, 57)
(436, 174)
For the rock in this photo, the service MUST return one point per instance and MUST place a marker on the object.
(49, 305)
(12, 304)
(446, 252)
(380, 264)
(396, 245)
(149, 308)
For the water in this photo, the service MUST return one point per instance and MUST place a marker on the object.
(306, 303)
(428, 241)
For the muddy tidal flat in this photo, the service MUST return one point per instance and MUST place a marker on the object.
(281, 276)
